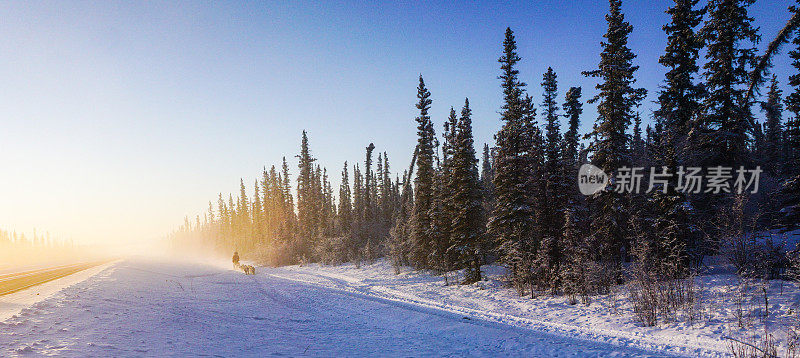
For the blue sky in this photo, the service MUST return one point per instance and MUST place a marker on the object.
(119, 118)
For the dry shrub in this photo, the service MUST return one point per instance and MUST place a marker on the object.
(793, 341)
(580, 281)
(643, 294)
(658, 296)
(753, 347)
(752, 252)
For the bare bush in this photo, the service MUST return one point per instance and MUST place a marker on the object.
(742, 303)
(643, 294)
(656, 296)
(752, 252)
(753, 346)
(793, 341)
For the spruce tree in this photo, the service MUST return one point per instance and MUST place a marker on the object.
(369, 187)
(792, 101)
(442, 211)
(440, 258)
(400, 246)
(536, 196)
(487, 175)
(273, 202)
(512, 220)
(617, 99)
(550, 112)
(723, 125)
(224, 218)
(680, 98)
(288, 204)
(638, 146)
(466, 229)
(487, 193)
(387, 203)
(317, 199)
(772, 155)
(790, 207)
(671, 242)
(345, 207)
(306, 198)
(573, 275)
(573, 109)
(328, 207)
(719, 135)
(267, 213)
(359, 205)
(423, 183)
(379, 191)
(554, 185)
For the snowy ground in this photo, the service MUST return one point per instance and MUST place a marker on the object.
(159, 308)
(607, 319)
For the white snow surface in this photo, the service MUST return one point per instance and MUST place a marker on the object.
(491, 301)
(608, 319)
(159, 308)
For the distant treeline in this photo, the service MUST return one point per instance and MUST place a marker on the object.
(10, 239)
(20, 249)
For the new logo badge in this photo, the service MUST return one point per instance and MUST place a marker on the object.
(591, 179)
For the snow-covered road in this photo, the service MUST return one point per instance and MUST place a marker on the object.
(155, 308)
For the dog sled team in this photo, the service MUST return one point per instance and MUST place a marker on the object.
(247, 269)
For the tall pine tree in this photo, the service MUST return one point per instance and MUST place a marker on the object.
(680, 99)
(617, 99)
(672, 243)
(512, 220)
(723, 125)
(306, 202)
(573, 109)
(791, 186)
(550, 255)
(772, 155)
(423, 183)
(466, 232)
(345, 206)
